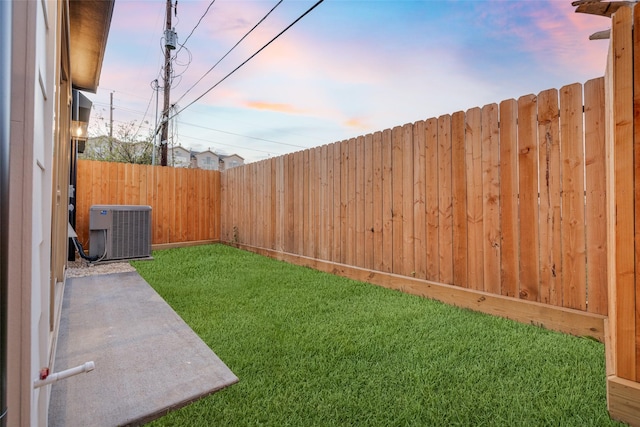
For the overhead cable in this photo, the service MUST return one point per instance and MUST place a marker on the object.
(247, 60)
(135, 135)
(194, 28)
(236, 146)
(230, 50)
(151, 129)
(244, 136)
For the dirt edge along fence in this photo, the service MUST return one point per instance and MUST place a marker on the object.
(507, 199)
(185, 203)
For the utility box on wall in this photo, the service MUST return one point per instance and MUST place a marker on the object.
(118, 232)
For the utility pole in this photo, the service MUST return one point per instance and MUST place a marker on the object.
(169, 44)
(155, 134)
(111, 123)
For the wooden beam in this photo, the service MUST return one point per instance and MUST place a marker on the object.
(601, 35)
(162, 246)
(561, 319)
(600, 8)
(620, 177)
(624, 400)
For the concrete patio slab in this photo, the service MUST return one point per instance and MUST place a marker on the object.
(148, 361)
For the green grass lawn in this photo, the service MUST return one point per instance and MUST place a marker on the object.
(312, 349)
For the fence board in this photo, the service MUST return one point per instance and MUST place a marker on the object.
(169, 209)
(143, 182)
(509, 255)
(120, 183)
(432, 191)
(318, 224)
(419, 196)
(325, 204)
(224, 211)
(262, 201)
(344, 199)
(408, 254)
(309, 204)
(445, 200)
(376, 148)
(192, 232)
(299, 203)
(550, 203)
(573, 228)
(473, 159)
(459, 200)
(130, 187)
(351, 202)
(368, 200)
(337, 164)
(491, 198)
(157, 216)
(359, 202)
(387, 201)
(280, 211)
(595, 212)
(181, 202)
(289, 236)
(215, 201)
(397, 199)
(528, 179)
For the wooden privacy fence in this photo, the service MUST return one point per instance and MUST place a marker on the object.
(508, 199)
(185, 202)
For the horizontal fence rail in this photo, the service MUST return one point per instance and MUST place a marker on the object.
(508, 199)
(185, 202)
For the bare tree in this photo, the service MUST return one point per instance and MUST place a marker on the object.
(126, 145)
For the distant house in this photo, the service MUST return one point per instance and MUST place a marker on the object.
(179, 157)
(207, 160)
(230, 161)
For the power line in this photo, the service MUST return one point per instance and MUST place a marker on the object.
(194, 28)
(244, 136)
(230, 50)
(205, 127)
(247, 60)
(228, 145)
(144, 116)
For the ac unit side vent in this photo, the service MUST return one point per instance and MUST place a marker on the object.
(125, 231)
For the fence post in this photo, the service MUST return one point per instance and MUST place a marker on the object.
(623, 219)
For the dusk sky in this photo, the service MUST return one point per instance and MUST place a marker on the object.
(348, 68)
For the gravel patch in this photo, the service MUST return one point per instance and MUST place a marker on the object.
(81, 268)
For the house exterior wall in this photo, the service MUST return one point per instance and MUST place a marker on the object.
(179, 157)
(232, 161)
(35, 121)
(5, 125)
(207, 160)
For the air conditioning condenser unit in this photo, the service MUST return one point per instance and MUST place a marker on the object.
(118, 232)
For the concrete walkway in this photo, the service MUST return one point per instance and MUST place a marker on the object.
(147, 359)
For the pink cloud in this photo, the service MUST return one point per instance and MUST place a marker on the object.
(554, 33)
(357, 123)
(273, 106)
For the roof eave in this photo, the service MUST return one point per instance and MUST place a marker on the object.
(89, 22)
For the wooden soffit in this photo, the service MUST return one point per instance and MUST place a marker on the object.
(89, 22)
(598, 7)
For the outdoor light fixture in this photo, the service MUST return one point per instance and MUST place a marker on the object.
(80, 112)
